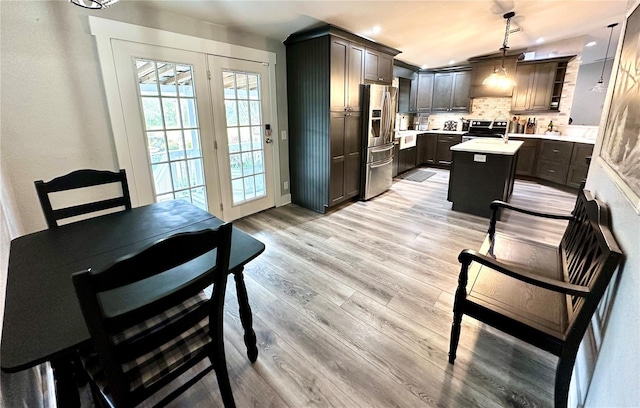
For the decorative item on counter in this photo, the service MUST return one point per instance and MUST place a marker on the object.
(513, 125)
(550, 130)
(450, 125)
(531, 126)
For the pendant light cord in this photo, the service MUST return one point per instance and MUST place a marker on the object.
(505, 43)
(606, 54)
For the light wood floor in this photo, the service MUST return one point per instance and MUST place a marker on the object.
(353, 308)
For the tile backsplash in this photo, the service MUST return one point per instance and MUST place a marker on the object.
(492, 108)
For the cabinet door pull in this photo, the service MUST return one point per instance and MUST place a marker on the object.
(556, 150)
(552, 171)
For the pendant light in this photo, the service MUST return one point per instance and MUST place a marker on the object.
(499, 78)
(94, 4)
(599, 87)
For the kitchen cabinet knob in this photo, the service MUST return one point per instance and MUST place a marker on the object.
(556, 150)
(552, 171)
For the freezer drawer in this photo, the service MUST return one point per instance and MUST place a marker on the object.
(377, 178)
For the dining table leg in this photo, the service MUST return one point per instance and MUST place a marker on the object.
(66, 387)
(245, 315)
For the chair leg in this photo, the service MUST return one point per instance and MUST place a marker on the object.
(220, 367)
(455, 335)
(563, 379)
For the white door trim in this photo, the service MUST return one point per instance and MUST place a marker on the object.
(106, 30)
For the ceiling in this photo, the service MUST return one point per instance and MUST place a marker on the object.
(429, 33)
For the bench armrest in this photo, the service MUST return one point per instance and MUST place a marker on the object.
(468, 255)
(497, 204)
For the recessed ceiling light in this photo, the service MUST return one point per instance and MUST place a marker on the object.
(375, 29)
(451, 62)
(590, 44)
(540, 40)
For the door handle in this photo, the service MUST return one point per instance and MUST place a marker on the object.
(268, 140)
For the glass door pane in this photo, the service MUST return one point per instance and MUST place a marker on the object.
(172, 133)
(242, 101)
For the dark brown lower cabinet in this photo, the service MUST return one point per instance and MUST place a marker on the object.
(554, 158)
(396, 159)
(427, 145)
(578, 168)
(527, 157)
(344, 173)
(563, 162)
(443, 152)
(407, 159)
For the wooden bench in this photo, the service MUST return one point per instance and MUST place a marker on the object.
(542, 294)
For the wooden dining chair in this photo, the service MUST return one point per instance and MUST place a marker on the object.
(150, 320)
(80, 179)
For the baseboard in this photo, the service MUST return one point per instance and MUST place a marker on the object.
(283, 200)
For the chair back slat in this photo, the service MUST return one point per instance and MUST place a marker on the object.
(81, 179)
(130, 313)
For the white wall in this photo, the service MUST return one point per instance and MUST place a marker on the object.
(54, 114)
(616, 380)
(587, 105)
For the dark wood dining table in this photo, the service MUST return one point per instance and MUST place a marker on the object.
(42, 317)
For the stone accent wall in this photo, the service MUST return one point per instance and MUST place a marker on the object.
(492, 108)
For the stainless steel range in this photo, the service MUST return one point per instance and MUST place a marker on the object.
(486, 128)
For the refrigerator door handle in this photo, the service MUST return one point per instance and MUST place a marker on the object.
(384, 120)
(389, 160)
(382, 149)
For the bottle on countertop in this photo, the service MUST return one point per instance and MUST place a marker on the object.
(550, 126)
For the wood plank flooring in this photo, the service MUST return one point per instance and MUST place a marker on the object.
(353, 308)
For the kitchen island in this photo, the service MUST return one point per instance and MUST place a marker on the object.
(483, 170)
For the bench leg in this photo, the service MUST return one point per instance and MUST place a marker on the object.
(563, 378)
(455, 335)
(460, 297)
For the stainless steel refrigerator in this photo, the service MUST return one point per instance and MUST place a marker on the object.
(379, 113)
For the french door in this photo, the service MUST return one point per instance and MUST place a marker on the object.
(239, 94)
(195, 128)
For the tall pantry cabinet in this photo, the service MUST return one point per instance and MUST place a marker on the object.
(325, 69)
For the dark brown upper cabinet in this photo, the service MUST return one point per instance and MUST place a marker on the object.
(451, 91)
(347, 62)
(424, 92)
(378, 67)
(539, 85)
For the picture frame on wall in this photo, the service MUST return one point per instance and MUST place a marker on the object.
(620, 148)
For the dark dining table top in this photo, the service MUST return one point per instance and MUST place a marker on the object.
(42, 317)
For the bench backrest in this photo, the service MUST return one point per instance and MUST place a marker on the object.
(590, 256)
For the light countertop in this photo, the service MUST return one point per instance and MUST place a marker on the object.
(400, 133)
(489, 146)
(562, 138)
